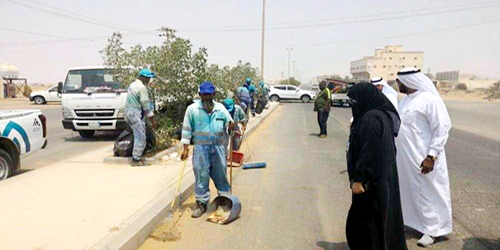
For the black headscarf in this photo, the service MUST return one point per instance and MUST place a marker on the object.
(367, 97)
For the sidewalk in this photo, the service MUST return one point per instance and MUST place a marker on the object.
(83, 203)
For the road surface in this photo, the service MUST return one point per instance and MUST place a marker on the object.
(301, 200)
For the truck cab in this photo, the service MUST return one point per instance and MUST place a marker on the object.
(92, 100)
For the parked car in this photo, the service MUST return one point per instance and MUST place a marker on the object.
(290, 92)
(22, 132)
(42, 97)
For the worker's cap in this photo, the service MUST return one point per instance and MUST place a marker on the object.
(147, 73)
(229, 104)
(261, 83)
(207, 88)
(248, 79)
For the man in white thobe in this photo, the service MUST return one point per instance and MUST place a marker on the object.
(386, 89)
(421, 158)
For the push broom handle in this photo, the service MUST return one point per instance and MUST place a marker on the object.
(178, 185)
(231, 134)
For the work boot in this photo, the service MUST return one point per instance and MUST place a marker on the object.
(322, 136)
(200, 209)
(138, 163)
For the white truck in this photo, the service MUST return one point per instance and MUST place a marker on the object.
(340, 99)
(42, 97)
(92, 100)
(22, 132)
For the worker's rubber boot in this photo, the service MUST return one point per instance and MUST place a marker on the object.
(200, 209)
(138, 163)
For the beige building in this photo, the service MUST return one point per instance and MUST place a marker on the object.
(386, 63)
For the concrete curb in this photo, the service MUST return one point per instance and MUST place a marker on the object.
(135, 230)
(150, 160)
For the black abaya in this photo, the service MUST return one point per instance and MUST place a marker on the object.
(375, 219)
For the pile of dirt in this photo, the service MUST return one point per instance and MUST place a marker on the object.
(458, 94)
(220, 215)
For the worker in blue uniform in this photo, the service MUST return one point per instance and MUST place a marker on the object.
(206, 123)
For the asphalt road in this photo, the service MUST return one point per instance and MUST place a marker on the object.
(62, 143)
(301, 200)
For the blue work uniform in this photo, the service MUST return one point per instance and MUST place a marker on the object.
(238, 116)
(137, 107)
(209, 159)
(252, 92)
(244, 96)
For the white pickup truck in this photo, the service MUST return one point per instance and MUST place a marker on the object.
(42, 97)
(92, 100)
(22, 132)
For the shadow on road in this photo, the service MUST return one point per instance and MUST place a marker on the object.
(341, 106)
(103, 136)
(474, 243)
(20, 171)
(295, 102)
(332, 246)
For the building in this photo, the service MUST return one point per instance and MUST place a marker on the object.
(450, 76)
(386, 63)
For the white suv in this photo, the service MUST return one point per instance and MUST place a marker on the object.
(290, 92)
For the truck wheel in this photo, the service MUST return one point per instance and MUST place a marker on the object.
(275, 98)
(86, 133)
(6, 165)
(39, 100)
(305, 98)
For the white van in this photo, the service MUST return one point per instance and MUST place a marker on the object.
(92, 100)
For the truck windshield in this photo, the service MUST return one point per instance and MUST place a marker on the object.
(91, 81)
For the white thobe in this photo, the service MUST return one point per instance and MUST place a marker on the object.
(425, 198)
(393, 98)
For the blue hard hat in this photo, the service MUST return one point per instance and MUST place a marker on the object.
(147, 73)
(248, 79)
(207, 88)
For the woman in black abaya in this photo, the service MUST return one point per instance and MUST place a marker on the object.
(375, 219)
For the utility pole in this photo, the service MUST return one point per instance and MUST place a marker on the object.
(289, 50)
(293, 69)
(263, 31)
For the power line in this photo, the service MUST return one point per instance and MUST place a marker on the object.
(392, 13)
(65, 39)
(71, 17)
(86, 17)
(392, 37)
(416, 13)
(343, 23)
(47, 35)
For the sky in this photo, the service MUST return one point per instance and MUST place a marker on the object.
(45, 38)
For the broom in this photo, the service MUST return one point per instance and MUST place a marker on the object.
(167, 231)
(251, 165)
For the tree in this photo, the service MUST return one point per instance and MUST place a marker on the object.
(291, 81)
(180, 70)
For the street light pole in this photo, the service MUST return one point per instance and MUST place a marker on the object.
(289, 50)
(263, 31)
